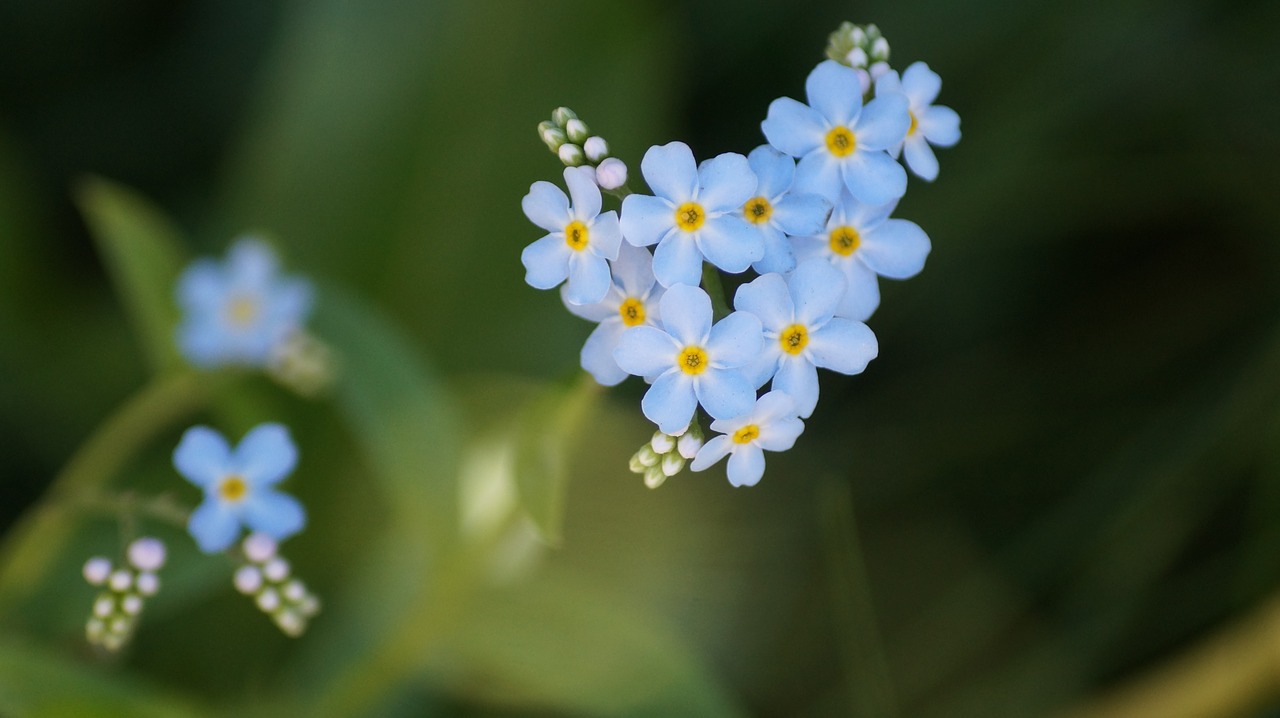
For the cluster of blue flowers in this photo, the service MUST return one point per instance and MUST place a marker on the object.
(809, 213)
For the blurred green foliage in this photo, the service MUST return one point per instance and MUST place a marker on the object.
(1063, 468)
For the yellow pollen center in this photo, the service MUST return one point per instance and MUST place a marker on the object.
(576, 235)
(632, 311)
(794, 339)
(242, 311)
(757, 210)
(912, 129)
(840, 141)
(845, 240)
(690, 216)
(693, 360)
(746, 434)
(233, 488)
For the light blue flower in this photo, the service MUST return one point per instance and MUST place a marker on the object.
(776, 212)
(633, 301)
(930, 124)
(691, 361)
(771, 425)
(862, 242)
(800, 332)
(238, 312)
(239, 484)
(839, 142)
(694, 213)
(581, 241)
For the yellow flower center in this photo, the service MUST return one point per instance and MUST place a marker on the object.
(794, 339)
(576, 235)
(746, 434)
(757, 210)
(632, 311)
(242, 311)
(912, 129)
(233, 488)
(693, 360)
(840, 141)
(845, 240)
(690, 216)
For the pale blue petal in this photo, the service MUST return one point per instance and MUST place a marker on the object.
(865, 217)
(274, 514)
(677, 260)
(874, 178)
(773, 171)
(799, 379)
(711, 452)
(589, 278)
(896, 249)
(597, 312)
(214, 526)
(546, 206)
(252, 263)
(597, 354)
(835, 92)
(202, 287)
(778, 255)
(863, 293)
(290, 301)
(725, 183)
(266, 455)
(203, 342)
(546, 262)
(735, 340)
(671, 171)
(940, 125)
(819, 173)
(686, 314)
(771, 407)
(746, 465)
(920, 158)
(921, 84)
(671, 401)
(646, 351)
(802, 215)
(584, 192)
(884, 123)
(605, 236)
(646, 219)
(843, 346)
(633, 271)
(202, 457)
(807, 248)
(724, 393)
(730, 243)
(793, 127)
(761, 369)
(780, 435)
(767, 298)
(888, 82)
(816, 289)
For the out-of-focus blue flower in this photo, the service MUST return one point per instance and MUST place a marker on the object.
(771, 425)
(694, 212)
(801, 333)
(237, 312)
(840, 143)
(580, 243)
(930, 124)
(632, 301)
(239, 484)
(776, 212)
(862, 242)
(691, 361)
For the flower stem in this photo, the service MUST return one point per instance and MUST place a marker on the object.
(715, 289)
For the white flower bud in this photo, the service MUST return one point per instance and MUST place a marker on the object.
(120, 580)
(858, 36)
(653, 477)
(662, 443)
(259, 548)
(635, 464)
(672, 464)
(647, 456)
(276, 570)
(131, 604)
(148, 584)
(553, 137)
(248, 579)
(309, 606)
(857, 57)
(878, 69)
(269, 600)
(596, 148)
(147, 554)
(577, 131)
(611, 174)
(294, 591)
(290, 623)
(120, 626)
(112, 642)
(94, 629)
(104, 606)
(688, 445)
(880, 49)
(571, 155)
(562, 115)
(96, 570)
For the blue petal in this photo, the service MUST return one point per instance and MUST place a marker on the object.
(834, 91)
(671, 171)
(711, 452)
(772, 407)
(274, 514)
(686, 314)
(646, 219)
(888, 82)
(546, 262)
(884, 123)
(202, 287)
(605, 236)
(725, 183)
(597, 354)
(794, 128)
(780, 435)
(599, 311)
(762, 368)
(646, 351)
(670, 402)
(773, 171)
(585, 193)
(766, 297)
(819, 173)
(802, 215)
(546, 206)
(735, 340)
(724, 393)
(778, 255)
(746, 465)
(677, 260)
(214, 526)
(816, 289)
(202, 457)
(633, 271)
(843, 346)
(266, 455)
(921, 84)
(730, 243)
(251, 262)
(863, 293)
(589, 278)
(798, 378)
(940, 125)
(896, 249)
(202, 342)
(289, 302)
(920, 158)
(874, 178)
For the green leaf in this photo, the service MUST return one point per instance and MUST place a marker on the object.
(546, 439)
(142, 252)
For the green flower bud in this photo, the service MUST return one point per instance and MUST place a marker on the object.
(577, 131)
(572, 155)
(562, 115)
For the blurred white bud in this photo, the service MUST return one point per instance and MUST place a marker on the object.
(309, 606)
(131, 604)
(276, 570)
(120, 626)
(104, 606)
(148, 584)
(93, 629)
(259, 548)
(662, 443)
(147, 554)
(294, 591)
(269, 600)
(611, 174)
(248, 579)
(880, 49)
(858, 36)
(596, 148)
(672, 464)
(577, 131)
(96, 570)
(290, 623)
(571, 155)
(688, 445)
(120, 580)
(857, 57)
(112, 641)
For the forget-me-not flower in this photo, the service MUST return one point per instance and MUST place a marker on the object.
(776, 212)
(930, 124)
(239, 311)
(695, 212)
(840, 143)
(581, 241)
(863, 242)
(771, 425)
(632, 301)
(239, 484)
(692, 361)
(800, 332)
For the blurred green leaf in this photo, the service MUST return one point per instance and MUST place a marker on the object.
(142, 252)
(546, 438)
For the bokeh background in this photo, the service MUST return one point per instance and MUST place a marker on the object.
(1061, 473)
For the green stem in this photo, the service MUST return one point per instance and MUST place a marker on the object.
(715, 289)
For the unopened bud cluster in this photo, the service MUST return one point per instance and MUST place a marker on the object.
(571, 140)
(861, 47)
(302, 363)
(666, 454)
(118, 605)
(266, 577)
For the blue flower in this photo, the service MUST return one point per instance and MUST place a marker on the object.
(771, 425)
(777, 212)
(581, 241)
(238, 312)
(839, 142)
(696, 213)
(691, 361)
(801, 333)
(632, 301)
(862, 242)
(930, 124)
(239, 484)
